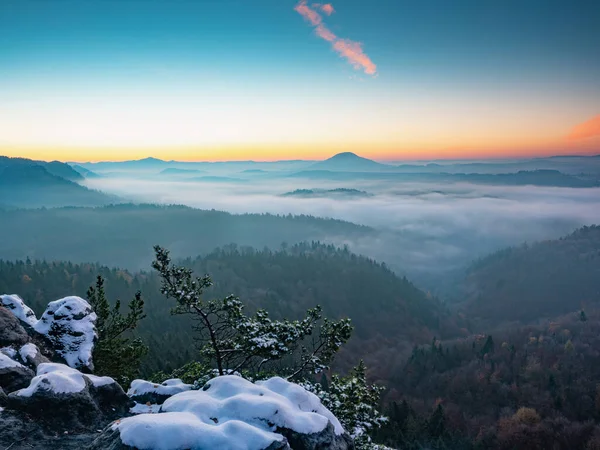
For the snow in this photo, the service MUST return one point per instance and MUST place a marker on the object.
(228, 413)
(9, 351)
(18, 307)
(183, 430)
(6, 362)
(28, 351)
(168, 387)
(144, 408)
(60, 379)
(70, 324)
(305, 400)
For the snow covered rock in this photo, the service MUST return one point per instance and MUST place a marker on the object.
(142, 391)
(31, 355)
(70, 324)
(13, 375)
(20, 310)
(63, 396)
(11, 330)
(231, 413)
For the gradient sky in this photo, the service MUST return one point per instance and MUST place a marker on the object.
(268, 79)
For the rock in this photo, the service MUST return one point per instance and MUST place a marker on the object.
(143, 392)
(231, 413)
(64, 398)
(31, 356)
(326, 439)
(11, 330)
(20, 432)
(3, 398)
(13, 375)
(70, 324)
(19, 309)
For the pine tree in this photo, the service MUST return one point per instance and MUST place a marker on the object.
(116, 353)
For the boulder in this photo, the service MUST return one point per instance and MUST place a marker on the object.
(143, 392)
(64, 398)
(70, 325)
(20, 432)
(11, 330)
(31, 356)
(232, 413)
(13, 375)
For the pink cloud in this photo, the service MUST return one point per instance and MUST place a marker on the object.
(325, 33)
(346, 48)
(353, 52)
(327, 8)
(586, 129)
(313, 17)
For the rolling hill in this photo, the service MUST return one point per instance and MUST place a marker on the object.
(33, 184)
(545, 279)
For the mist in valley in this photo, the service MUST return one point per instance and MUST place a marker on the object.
(426, 231)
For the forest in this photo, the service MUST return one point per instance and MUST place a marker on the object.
(452, 377)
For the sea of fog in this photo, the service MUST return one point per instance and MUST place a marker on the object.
(425, 230)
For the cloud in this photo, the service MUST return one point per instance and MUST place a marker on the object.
(326, 8)
(324, 33)
(586, 130)
(350, 50)
(353, 52)
(312, 16)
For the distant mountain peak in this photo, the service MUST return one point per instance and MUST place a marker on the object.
(351, 162)
(345, 155)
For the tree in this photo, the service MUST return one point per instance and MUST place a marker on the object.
(116, 353)
(235, 342)
(354, 402)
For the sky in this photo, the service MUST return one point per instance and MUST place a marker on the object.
(90, 80)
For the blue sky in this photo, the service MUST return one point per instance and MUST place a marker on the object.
(484, 76)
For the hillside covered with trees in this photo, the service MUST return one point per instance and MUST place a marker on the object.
(545, 279)
(388, 313)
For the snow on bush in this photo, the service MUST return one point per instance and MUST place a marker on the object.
(167, 387)
(61, 379)
(18, 307)
(69, 323)
(228, 413)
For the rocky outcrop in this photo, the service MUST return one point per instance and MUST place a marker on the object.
(13, 375)
(230, 412)
(64, 398)
(68, 326)
(11, 330)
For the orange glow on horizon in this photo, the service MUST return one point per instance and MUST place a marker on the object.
(271, 152)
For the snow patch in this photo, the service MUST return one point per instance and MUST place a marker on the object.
(181, 430)
(9, 351)
(60, 379)
(168, 387)
(6, 362)
(28, 351)
(228, 413)
(144, 408)
(18, 307)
